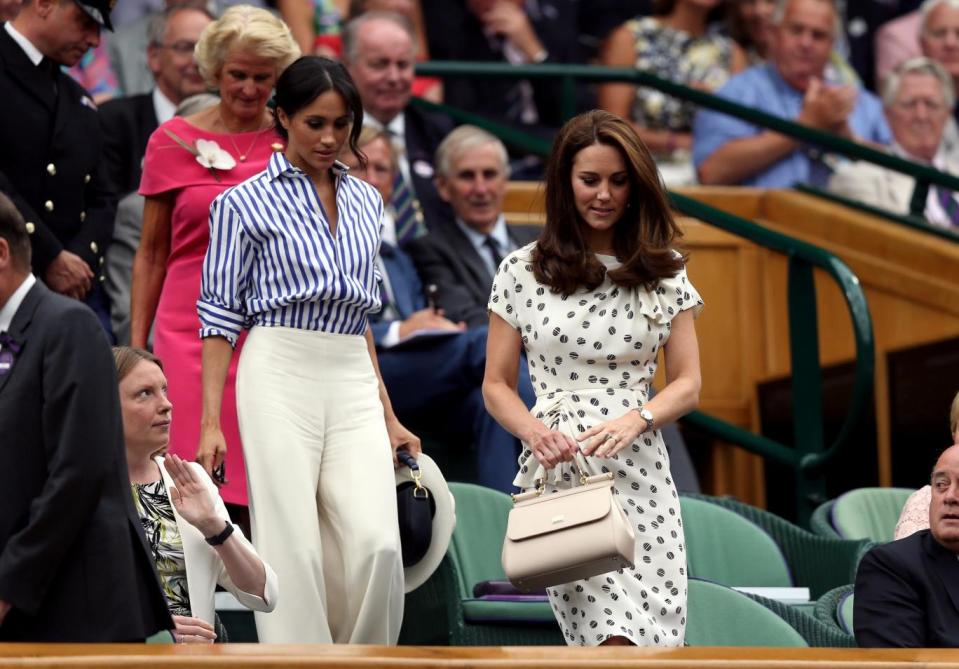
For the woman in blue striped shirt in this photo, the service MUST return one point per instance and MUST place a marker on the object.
(292, 257)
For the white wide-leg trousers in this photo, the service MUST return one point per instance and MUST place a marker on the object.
(322, 492)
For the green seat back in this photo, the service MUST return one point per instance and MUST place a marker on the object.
(869, 513)
(477, 544)
(844, 613)
(719, 616)
(727, 548)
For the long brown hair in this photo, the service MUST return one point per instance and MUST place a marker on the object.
(642, 238)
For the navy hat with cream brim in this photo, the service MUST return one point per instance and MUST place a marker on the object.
(98, 10)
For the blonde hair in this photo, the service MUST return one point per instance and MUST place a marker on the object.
(248, 29)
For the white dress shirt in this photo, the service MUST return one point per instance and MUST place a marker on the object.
(10, 307)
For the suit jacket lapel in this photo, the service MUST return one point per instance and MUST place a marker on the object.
(521, 235)
(467, 253)
(24, 73)
(147, 120)
(21, 323)
(946, 567)
(398, 284)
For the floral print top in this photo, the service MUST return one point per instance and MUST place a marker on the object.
(166, 545)
(704, 61)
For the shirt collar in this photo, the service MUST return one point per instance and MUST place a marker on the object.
(396, 128)
(163, 106)
(33, 53)
(500, 233)
(9, 310)
(938, 160)
(279, 166)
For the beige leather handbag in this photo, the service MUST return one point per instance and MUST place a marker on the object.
(566, 536)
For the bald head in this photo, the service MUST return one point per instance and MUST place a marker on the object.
(944, 504)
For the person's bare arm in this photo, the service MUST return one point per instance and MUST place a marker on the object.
(211, 450)
(503, 346)
(149, 266)
(299, 16)
(618, 50)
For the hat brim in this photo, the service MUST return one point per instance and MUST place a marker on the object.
(94, 13)
(444, 520)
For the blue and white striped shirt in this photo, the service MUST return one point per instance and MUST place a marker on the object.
(272, 260)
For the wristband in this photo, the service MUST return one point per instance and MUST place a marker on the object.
(218, 539)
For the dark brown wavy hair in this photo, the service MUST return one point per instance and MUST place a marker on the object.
(642, 238)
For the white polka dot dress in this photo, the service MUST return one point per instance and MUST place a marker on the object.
(592, 357)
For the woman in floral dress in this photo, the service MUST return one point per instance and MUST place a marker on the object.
(680, 43)
(592, 302)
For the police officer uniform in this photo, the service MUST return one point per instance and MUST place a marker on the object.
(50, 134)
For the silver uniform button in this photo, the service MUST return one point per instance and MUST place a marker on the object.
(86, 178)
(52, 170)
(30, 228)
(83, 216)
(48, 205)
(94, 247)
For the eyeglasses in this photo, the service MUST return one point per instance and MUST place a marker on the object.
(911, 105)
(180, 48)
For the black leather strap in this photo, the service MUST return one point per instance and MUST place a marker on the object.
(222, 536)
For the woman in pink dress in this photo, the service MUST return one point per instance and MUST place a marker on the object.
(189, 161)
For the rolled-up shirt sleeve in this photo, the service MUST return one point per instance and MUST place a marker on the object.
(226, 267)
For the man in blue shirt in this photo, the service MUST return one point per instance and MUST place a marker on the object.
(727, 150)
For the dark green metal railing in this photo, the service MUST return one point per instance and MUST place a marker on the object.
(924, 175)
(810, 452)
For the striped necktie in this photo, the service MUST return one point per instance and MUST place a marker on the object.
(407, 216)
(950, 206)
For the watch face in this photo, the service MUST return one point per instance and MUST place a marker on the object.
(646, 414)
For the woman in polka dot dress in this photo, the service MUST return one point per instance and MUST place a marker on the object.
(592, 302)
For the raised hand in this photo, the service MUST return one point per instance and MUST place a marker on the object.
(190, 497)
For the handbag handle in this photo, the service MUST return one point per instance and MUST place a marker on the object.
(415, 473)
(586, 477)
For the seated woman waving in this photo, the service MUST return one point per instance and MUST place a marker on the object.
(193, 543)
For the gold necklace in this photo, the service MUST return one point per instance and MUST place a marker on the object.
(242, 154)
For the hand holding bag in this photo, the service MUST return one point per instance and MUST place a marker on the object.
(567, 536)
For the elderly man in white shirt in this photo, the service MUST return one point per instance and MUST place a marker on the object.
(918, 98)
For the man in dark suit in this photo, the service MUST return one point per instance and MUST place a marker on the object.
(435, 379)
(907, 591)
(74, 564)
(50, 134)
(379, 51)
(432, 367)
(128, 122)
(461, 253)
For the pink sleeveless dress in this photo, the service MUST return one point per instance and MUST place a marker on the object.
(170, 168)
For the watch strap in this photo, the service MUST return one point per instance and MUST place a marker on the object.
(218, 539)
